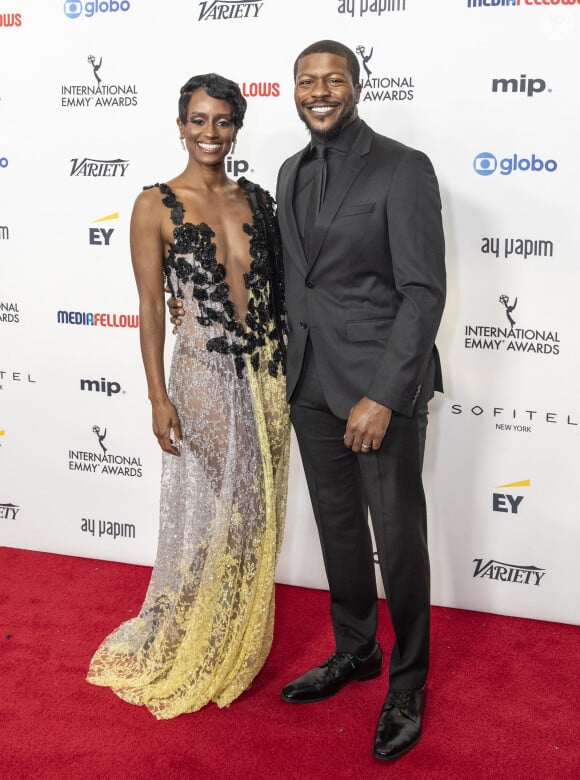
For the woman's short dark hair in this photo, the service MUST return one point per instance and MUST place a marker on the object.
(332, 47)
(216, 87)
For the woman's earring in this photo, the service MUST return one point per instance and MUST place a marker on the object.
(182, 143)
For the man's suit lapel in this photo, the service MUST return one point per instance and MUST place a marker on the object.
(287, 184)
(354, 163)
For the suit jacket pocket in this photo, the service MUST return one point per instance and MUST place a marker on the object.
(369, 330)
(354, 209)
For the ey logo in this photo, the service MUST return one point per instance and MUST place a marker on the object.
(2, 433)
(100, 236)
(506, 502)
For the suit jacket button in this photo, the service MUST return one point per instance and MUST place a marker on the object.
(310, 285)
(303, 325)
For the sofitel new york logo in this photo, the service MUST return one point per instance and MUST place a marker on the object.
(511, 338)
(507, 572)
(98, 94)
(364, 7)
(103, 461)
(378, 86)
(216, 10)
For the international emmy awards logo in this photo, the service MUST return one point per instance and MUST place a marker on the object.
(100, 436)
(96, 68)
(505, 301)
(360, 50)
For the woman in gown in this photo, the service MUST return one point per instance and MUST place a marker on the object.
(205, 627)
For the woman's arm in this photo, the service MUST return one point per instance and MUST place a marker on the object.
(147, 259)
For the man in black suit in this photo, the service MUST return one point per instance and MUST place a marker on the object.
(360, 219)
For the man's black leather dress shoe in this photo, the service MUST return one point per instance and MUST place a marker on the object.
(400, 723)
(327, 679)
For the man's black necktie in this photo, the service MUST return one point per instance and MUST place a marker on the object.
(316, 195)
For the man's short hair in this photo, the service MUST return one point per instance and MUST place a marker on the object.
(332, 47)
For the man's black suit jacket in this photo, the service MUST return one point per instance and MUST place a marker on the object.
(371, 294)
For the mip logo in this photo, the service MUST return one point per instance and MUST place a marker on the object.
(486, 163)
(74, 8)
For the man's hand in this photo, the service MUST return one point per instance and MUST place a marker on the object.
(366, 426)
(176, 311)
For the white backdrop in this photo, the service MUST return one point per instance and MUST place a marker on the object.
(488, 89)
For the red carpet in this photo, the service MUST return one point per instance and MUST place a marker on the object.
(502, 703)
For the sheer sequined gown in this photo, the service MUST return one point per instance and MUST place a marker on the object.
(205, 627)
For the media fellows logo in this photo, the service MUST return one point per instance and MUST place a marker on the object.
(252, 89)
(104, 461)
(487, 163)
(10, 20)
(364, 7)
(516, 3)
(74, 8)
(98, 94)
(102, 319)
(378, 86)
(221, 10)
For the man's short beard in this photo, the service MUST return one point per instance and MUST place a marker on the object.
(332, 132)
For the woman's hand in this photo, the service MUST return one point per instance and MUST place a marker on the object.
(166, 426)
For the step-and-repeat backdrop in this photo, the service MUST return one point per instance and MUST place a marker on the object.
(487, 88)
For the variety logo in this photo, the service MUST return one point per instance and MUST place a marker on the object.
(98, 94)
(505, 3)
(380, 87)
(3, 162)
(103, 461)
(517, 247)
(4, 233)
(10, 20)
(101, 386)
(216, 10)
(507, 572)
(9, 511)
(98, 318)
(88, 166)
(102, 236)
(486, 163)
(511, 339)
(101, 528)
(9, 312)
(364, 7)
(253, 89)
(507, 502)
(73, 8)
(7, 377)
(521, 418)
(524, 85)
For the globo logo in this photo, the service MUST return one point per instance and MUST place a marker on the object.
(486, 163)
(74, 8)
